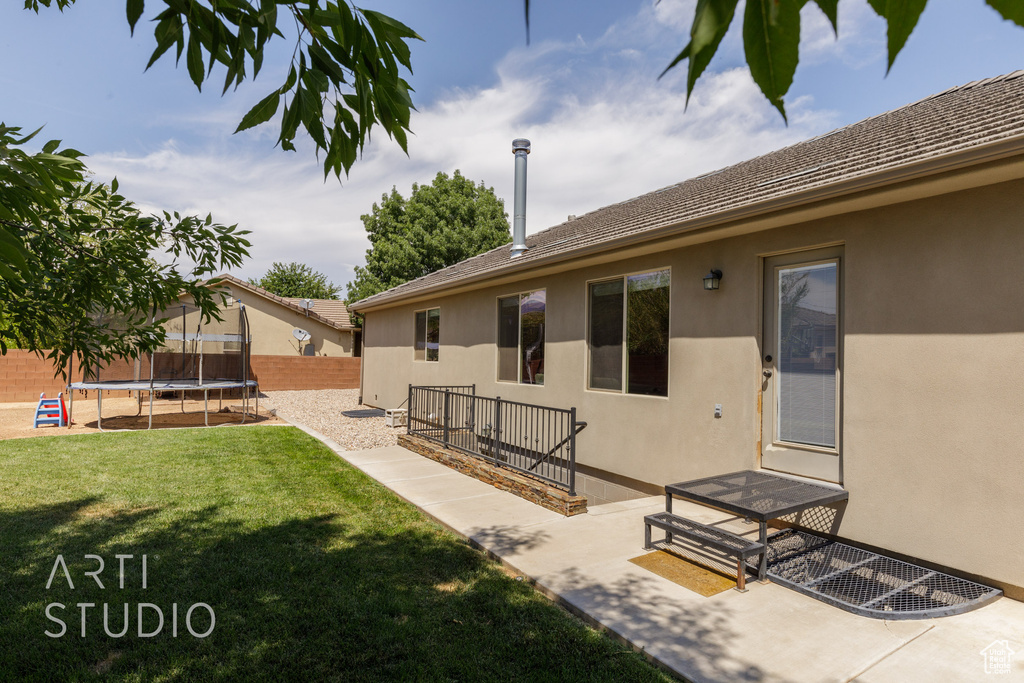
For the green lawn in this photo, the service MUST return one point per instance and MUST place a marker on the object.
(314, 571)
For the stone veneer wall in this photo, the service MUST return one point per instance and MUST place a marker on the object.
(525, 487)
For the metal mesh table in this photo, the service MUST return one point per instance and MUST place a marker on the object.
(757, 495)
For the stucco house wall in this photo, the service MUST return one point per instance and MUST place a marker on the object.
(271, 322)
(932, 327)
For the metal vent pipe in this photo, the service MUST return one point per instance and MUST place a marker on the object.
(520, 147)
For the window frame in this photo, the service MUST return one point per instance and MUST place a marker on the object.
(519, 342)
(426, 328)
(624, 378)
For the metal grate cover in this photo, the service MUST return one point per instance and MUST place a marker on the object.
(363, 412)
(867, 583)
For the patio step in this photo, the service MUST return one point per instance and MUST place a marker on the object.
(721, 540)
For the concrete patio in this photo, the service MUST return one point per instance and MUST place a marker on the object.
(767, 634)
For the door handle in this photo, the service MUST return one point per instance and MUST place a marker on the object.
(767, 373)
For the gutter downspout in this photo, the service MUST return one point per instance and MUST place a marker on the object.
(362, 357)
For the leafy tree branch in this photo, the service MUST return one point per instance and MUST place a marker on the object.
(345, 75)
(771, 36)
(75, 255)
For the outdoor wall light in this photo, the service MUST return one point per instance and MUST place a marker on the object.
(713, 279)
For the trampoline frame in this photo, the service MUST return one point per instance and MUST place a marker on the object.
(183, 385)
(173, 385)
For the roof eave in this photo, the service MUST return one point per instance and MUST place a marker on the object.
(274, 299)
(953, 161)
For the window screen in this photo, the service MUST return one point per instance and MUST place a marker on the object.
(521, 332)
(808, 307)
(628, 336)
(428, 335)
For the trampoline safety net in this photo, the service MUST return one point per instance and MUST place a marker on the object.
(195, 352)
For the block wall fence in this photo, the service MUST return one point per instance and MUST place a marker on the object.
(24, 375)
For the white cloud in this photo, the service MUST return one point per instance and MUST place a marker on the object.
(603, 128)
(861, 39)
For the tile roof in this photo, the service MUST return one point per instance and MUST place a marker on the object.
(328, 311)
(332, 309)
(957, 120)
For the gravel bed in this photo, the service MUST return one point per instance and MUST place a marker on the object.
(322, 410)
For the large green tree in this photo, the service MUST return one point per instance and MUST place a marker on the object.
(77, 255)
(297, 280)
(439, 225)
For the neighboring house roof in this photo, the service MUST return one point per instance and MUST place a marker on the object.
(332, 309)
(812, 317)
(328, 311)
(972, 117)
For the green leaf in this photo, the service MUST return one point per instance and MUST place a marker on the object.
(771, 41)
(113, 184)
(134, 10)
(398, 28)
(261, 113)
(51, 146)
(7, 274)
(13, 250)
(22, 141)
(322, 60)
(194, 61)
(685, 54)
(1011, 10)
(711, 21)
(831, 10)
(901, 16)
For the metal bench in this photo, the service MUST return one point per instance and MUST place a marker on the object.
(719, 539)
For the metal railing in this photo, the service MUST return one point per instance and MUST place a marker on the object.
(536, 440)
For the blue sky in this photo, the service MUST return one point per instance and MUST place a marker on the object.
(585, 91)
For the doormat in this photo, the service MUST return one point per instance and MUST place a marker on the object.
(685, 573)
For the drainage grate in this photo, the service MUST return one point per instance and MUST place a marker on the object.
(365, 412)
(867, 583)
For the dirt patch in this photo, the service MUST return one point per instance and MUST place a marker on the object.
(126, 414)
(108, 511)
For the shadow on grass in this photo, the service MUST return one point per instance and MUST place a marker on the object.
(314, 598)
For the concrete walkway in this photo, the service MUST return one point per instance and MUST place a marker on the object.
(767, 634)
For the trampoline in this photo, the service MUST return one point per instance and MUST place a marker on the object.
(197, 356)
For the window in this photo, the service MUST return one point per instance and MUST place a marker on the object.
(808, 306)
(428, 326)
(628, 336)
(521, 337)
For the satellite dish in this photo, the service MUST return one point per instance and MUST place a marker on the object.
(299, 334)
(307, 303)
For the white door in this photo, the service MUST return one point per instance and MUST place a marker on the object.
(801, 364)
